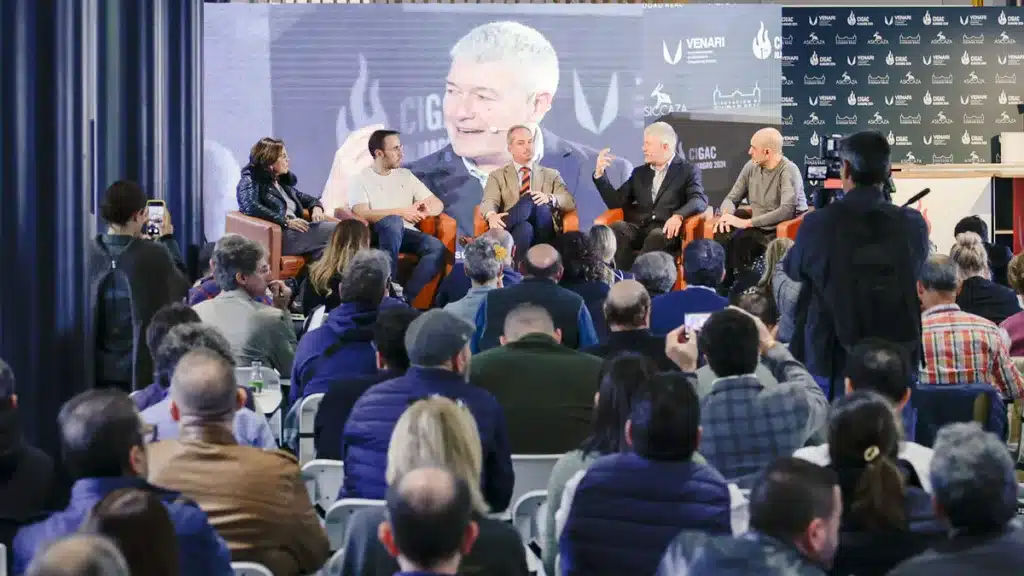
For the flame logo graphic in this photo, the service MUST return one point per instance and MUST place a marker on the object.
(762, 44)
(356, 103)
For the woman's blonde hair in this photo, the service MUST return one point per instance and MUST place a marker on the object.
(773, 254)
(350, 236)
(438, 432)
(1015, 273)
(265, 152)
(970, 256)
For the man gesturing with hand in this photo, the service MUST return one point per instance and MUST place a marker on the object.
(655, 199)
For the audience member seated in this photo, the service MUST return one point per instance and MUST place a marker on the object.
(620, 379)
(456, 283)
(257, 332)
(250, 428)
(435, 432)
(393, 200)
(747, 425)
(438, 347)
(131, 276)
(602, 241)
(545, 389)
(430, 526)
(321, 288)
(627, 312)
(206, 287)
(542, 270)
(27, 482)
(1014, 325)
(998, 255)
(139, 523)
(976, 496)
(345, 389)
(482, 264)
(656, 271)
(625, 508)
(978, 294)
(165, 318)
(102, 443)
(783, 290)
(756, 304)
(585, 275)
(343, 346)
(266, 190)
(80, 555)
(887, 515)
(795, 513)
(256, 498)
(960, 348)
(703, 270)
(878, 366)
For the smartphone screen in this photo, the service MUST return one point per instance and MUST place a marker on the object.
(695, 321)
(155, 213)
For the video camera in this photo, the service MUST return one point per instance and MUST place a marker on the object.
(827, 165)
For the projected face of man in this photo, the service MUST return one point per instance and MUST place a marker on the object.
(481, 96)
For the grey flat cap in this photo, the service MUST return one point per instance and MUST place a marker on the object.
(435, 337)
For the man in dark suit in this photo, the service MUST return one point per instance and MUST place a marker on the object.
(655, 199)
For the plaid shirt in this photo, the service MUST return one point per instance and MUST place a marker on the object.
(207, 289)
(747, 425)
(961, 348)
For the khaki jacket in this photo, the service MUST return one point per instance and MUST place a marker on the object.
(255, 499)
(502, 189)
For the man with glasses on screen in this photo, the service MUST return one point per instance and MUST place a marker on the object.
(502, 74)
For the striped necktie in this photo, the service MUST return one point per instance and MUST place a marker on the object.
(525, 186)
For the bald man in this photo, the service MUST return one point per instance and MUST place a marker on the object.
(80, 554)
(546, 389)
(542, 270)
(627, 311)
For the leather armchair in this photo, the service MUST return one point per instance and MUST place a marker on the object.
(570, 223)
(786, 229)
(693, 229)
(270, 236)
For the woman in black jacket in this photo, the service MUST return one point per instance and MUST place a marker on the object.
(267, 191)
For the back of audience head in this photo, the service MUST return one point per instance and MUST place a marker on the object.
(628, 306)
(80, 555)
(505, 240)
(365, 279)
(581, 262)
(544, 262)
(759, 303)
(970, 256)
(181, 340)
(799, 502)
(1015, 273)
(973, 482)
(8, 397)
(882, 367)
(139, 523)
(166, 318)
(664, 423)
(656, 271)
(620, 380)
(430, 525)
(939, 281)
(203, 389)
(864, 441)
(971, 224)
(389, 337)
(865, 159)
(349, 237)
(526, 319)
(240, 264)
(124, 205)
(484, 261)
(437, 431)
(773, 255)
(102, 435)
(602, 240)
(438, 339)
(729, 340)
(703, 263)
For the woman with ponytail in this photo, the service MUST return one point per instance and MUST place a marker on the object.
(887, 516)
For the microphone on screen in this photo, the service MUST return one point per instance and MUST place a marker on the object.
(917, 197)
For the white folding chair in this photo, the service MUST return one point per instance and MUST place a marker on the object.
(334, 565)
(532, 473)
(323, 480)
(307, 414)
(339, 515)
(3, 560)
(527, 513)
(250, 569)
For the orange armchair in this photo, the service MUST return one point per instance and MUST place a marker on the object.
(693, 229)
(570, 223)
(786, 229)
(270, 236)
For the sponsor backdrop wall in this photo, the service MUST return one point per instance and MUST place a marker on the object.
(939, 82)
(319, 75)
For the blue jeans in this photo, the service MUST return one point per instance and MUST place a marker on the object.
(529, 224)
(394, 238)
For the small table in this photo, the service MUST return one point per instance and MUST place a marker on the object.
(268, 401)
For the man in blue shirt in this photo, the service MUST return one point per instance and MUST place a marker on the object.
(102, 440)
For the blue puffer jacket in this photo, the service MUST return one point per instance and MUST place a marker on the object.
(373, 418)
(627, 509)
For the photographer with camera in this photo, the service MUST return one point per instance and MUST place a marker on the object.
(133, 272)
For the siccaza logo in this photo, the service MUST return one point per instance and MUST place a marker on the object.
(357, 108)
(672, 58)
(762, 44)
(583, 114)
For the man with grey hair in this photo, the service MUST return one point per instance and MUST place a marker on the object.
(255, 499)
(206, 288)
(483, 265)
(516, 68)
(256, 332)
(656, 271)
(438, 346)
(975, 492)
(523, 196)
(627, 311)
(456, 283)
(546, 389)
(602, 239)
(656, 199)
(947, 331)
(80, 555)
